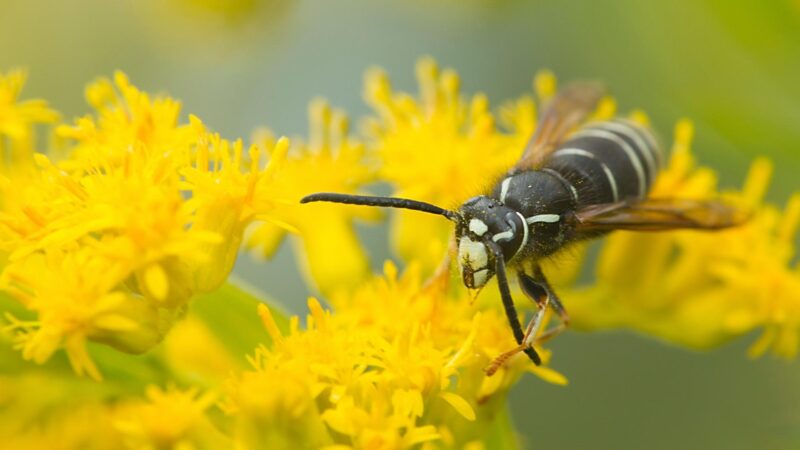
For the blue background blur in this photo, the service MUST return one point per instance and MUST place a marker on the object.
(731, 66)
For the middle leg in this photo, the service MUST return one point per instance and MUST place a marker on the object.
(536, 287)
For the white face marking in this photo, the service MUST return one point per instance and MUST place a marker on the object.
(478, 227)
(479, 278)
(472, 254)
(547, 218)
(504, 189)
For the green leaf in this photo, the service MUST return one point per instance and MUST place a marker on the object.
(231, 314)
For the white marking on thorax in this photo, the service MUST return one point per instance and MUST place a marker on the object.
(478, 227)
(474, 253)
(504, 189)
(609, 176)
(547, 218)
(524, 233)
(628, 130)
(629, 151)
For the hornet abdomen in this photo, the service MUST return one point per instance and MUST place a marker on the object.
(607, 162)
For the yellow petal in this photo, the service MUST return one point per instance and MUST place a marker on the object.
(269, 323)
(548, 374)
(156, 281)
(459, 404)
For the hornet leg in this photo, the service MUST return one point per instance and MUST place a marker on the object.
(536, 287)
(525, 346)
(511, 313)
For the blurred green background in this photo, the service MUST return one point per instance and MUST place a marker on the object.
(731, 66)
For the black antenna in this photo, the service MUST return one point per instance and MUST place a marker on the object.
(388, 202)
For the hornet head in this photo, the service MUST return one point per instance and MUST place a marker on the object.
(484, 227)
(485, 223)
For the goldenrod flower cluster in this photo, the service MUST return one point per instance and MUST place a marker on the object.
(110, 242)
(118, 237)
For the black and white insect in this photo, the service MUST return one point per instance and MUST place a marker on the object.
(574, 181)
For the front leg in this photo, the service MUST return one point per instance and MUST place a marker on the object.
(538, 289)
(511, 314)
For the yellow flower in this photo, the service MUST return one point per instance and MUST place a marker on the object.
(129, 124)
(110, 242)
(48, 410)
(49, 406)
(39, 410)
(171, 418)
(75, 308)
(439, 148)
(331, 161)
(701, 289)
(229, 191)
(393, 366)
(17, 120)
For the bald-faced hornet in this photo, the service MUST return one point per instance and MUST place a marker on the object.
(574, 181)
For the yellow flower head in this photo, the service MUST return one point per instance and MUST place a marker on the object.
(17, 120)
(129, 121)
(41, 410)
(393, 366)
(170, 418)
(438, 148)
(331, 161)
(72, 309)
(111, 242)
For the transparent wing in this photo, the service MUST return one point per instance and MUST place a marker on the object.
(568, 109)
(659, 214)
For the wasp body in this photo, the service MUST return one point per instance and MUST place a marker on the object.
(529, 213)
(574, 181)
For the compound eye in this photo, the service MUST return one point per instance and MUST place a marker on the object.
(509, 234)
